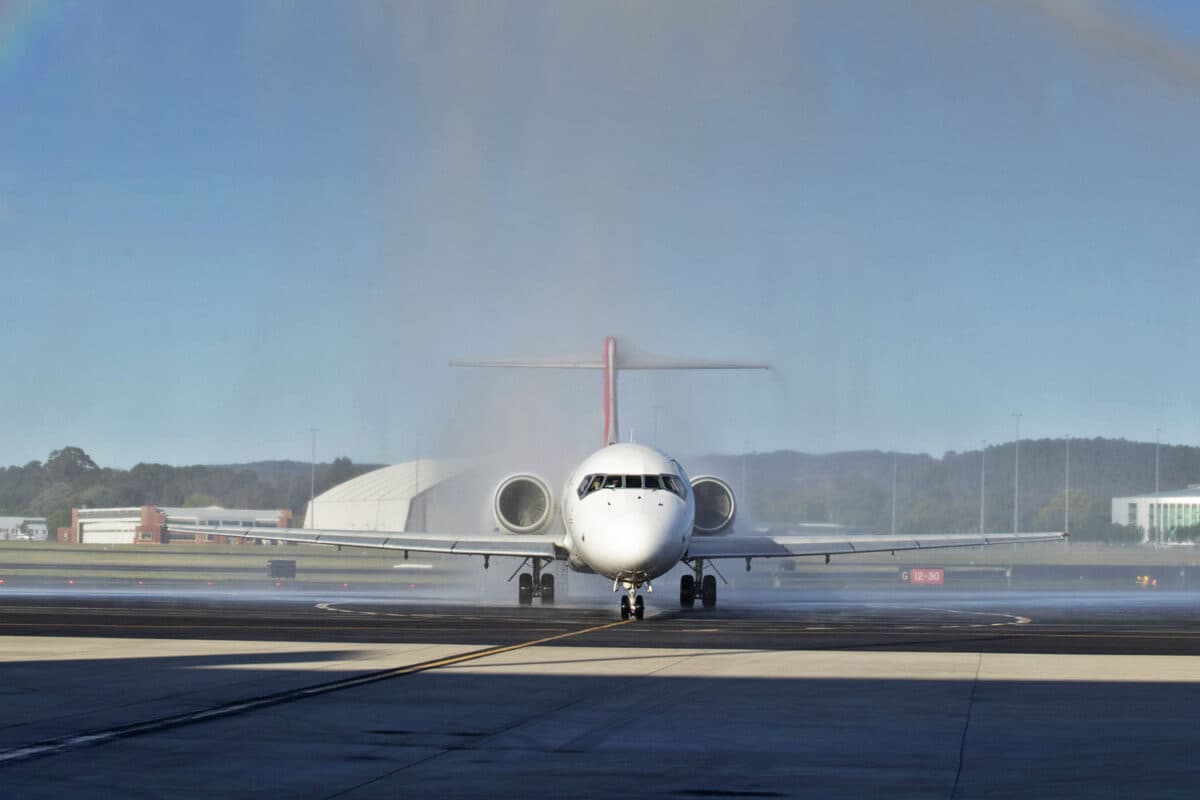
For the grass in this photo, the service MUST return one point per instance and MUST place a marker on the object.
(193, 562)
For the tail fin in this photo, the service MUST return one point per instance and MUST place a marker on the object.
(612, 365)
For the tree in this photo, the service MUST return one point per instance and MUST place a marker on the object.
(69, 464)
(54, 503)
(341, 470)
(1085, 512)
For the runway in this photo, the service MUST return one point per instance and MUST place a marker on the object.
(909, 694)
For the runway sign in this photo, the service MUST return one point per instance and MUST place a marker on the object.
(927, 577)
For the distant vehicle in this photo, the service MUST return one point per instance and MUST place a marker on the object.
(628, 512)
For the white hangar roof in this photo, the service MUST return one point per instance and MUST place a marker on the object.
(380, 499)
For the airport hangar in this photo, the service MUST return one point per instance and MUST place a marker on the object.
(23, 529)
(147, 524)
(1180, 508)
(409, 496)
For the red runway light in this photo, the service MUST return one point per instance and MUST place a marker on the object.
(210, 583)
(139, 582)
(276, 584)
(1, 581)
(344, 585)
(71, 582)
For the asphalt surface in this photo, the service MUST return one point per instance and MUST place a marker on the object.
(1126, 622)
(918, 693)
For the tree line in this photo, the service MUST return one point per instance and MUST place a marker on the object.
(70, 478)
(773, 489)
(943, 494)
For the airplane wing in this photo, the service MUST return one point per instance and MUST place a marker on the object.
(473, 544)
(735, 546)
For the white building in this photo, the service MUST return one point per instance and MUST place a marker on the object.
(1163, 512)
(23, 529)
(414, 495)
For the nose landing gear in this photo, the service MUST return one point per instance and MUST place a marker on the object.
(631, 601)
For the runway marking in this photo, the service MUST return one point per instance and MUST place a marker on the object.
(333, 606)
(1012, 619)
(91, 738)
(1009, 619)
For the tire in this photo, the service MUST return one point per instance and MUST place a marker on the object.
(547, 590)
(687, 591)
(525, 589)
(708, 591)
(639, 607)
(624, 608)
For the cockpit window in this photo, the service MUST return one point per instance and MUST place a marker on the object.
(671, 483)
(674, 485)
(589, 485)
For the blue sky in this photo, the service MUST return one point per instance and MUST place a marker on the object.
(224, 223)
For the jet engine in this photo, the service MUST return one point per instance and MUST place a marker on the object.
(523, 504)
(715, 506)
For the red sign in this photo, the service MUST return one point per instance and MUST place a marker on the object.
(927, 577)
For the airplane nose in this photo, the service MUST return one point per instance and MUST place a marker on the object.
(645, 541)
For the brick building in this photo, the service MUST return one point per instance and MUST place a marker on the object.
(147, 524)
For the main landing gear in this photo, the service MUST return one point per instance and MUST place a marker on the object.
(688, 583)
(535, 584)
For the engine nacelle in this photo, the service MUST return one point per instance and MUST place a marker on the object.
(715, 506)
(523, 504)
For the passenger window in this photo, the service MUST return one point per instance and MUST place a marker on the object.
(633, 481)
(612, 482)
(653, 482)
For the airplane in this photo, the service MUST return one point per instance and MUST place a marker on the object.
(628, 512)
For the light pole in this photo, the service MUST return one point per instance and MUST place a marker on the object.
(893, 494)
(311, 522)
(1157, 527)
(1067, 494)
(1017, 474)
(982, 480)
(745, 447)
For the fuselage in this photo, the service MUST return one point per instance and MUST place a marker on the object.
(629, 512)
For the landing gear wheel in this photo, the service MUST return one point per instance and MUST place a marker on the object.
(708, 591)
(639, 607)
(687, 591)
(624, 608)
(547, 590)
(525, 589)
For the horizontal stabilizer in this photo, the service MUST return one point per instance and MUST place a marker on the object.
(547, 363)
(687, 363)
(612, 364)
(643, 363)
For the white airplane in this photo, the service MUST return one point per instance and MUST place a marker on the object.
(628, 512)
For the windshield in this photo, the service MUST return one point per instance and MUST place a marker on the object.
(653, 483)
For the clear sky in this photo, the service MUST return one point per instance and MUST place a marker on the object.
(224, 223)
